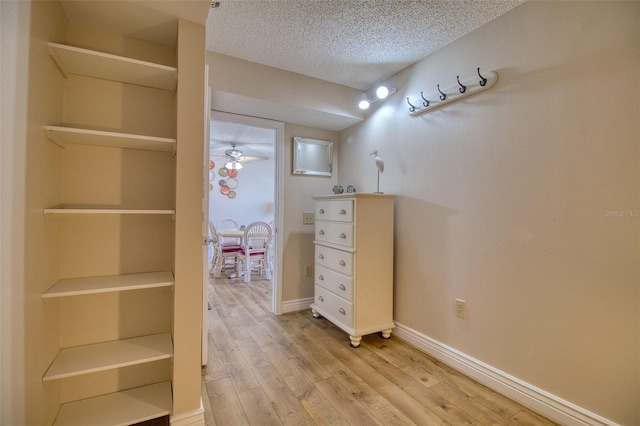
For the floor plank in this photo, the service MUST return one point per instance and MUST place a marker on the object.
(258, 407)
(225, 403)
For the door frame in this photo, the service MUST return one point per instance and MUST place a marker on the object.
(206, 244)
(278, 196)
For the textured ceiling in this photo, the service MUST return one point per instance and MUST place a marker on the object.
(251, 140)
(355, 43)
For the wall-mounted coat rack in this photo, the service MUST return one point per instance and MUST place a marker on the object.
(460, 90)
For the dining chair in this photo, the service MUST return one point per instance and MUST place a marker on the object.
(272, 252)
(225, 254)
(211, 255)
(228, 223)
(255, 250)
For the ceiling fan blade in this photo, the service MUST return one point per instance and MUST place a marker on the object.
(250, 158)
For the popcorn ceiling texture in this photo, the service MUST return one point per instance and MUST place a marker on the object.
(353, 43)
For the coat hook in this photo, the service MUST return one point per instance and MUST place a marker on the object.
(462, 88)
(425, 102)
(483, 80)
(443, 96)
(412, 108)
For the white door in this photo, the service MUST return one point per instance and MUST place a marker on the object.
(207, 247)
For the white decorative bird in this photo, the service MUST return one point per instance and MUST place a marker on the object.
(380, 166)
(379, 161)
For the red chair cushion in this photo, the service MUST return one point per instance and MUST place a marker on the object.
(236, 249)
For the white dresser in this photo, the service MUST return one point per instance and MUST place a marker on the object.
(354, 263)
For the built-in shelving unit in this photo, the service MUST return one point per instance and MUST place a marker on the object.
(126, 407)
(74, 135)
(109, 355)
(75, 60)
(69, 210)
(146, 401)
(94, 285)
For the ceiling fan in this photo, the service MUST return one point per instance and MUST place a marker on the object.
(235, 154)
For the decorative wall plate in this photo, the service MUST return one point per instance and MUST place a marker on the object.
(210, 187)
(224, 190)
(232, 183)
(231, 194)
(222, 182)
(212, 174)
(222, 172)
(233, 173)
(212, 165)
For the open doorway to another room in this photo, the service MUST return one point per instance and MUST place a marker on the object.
(244, 180)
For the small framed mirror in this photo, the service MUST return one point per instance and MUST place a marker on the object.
(312, 157)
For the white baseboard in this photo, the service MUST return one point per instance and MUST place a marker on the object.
(190, 418)
(296, 305)
(525, 393)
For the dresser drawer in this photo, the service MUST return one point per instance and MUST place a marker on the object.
(334, 306)
(338, 260)
(335, 282)
(338, 210)
(335, 232)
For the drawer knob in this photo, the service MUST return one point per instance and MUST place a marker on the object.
(343, 211)
(342, 311)
(343, 236)
(321, 277)
(321, 256)
(320, 298)
(321, 232)
(321, 211)
(343, 263)
(342, 287)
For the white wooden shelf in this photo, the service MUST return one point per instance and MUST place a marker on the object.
(74, 135)
(69, 210)
(93, 285)
(87, 359)
(90, 63)
(120, 408)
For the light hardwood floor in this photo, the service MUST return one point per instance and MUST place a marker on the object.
(295, 370)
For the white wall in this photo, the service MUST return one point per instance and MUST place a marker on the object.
(298, 238)
(255, 194)
(505, 199)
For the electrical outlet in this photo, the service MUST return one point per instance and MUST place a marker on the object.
(308, 270)
(308, 218)
(461, 308)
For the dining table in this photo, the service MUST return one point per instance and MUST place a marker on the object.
(231, 233)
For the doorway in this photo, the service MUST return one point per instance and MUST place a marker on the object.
(253, 147)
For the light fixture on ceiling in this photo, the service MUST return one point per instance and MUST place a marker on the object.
(234, 157)
(381, 93)
(364, 102)
(233, 165)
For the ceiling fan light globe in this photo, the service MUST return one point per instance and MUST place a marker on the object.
(233, 165)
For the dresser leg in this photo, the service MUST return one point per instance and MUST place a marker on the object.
(386, 334)
(355, 341)
(315, 314)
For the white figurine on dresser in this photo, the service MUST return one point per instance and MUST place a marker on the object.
(354, 263)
